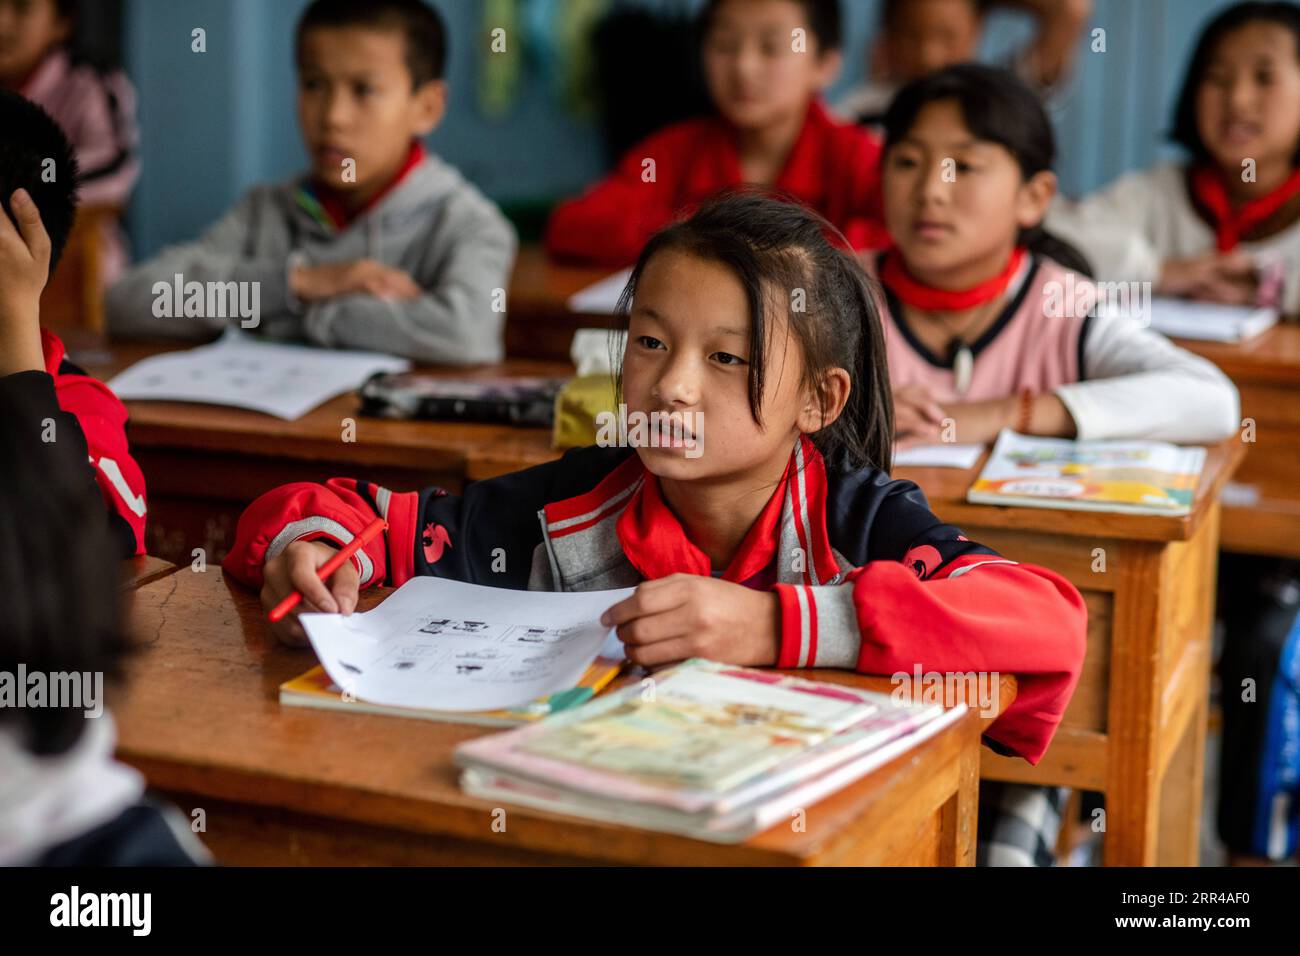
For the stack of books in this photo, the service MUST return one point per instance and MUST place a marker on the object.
(708, 750)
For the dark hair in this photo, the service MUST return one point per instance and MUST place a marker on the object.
(58, 570)
(421, 27)
(770, 242)
(824, 20)
(998, 108)
(31, 137)
(1184, 131)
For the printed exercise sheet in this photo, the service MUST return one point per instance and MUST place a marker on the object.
(447, 645)
(283, 380)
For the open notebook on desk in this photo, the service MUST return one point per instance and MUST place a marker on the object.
(239, 371)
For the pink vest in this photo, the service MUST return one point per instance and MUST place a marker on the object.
(1036, 343)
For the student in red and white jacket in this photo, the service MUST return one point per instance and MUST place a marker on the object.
(35, 220)
(770, 129)
(102, 418)
(761, 528)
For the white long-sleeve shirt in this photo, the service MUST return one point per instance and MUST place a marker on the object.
(1130, 227)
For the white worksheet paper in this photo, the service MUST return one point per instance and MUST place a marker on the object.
(947, 455)
(286, 381)
(447, 645)
(601, 298)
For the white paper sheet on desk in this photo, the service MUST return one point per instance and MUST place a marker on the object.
(286, 381)
(947, 455)
(446, 645)
(601, 298)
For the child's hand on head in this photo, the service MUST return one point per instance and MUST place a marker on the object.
(918, 418)
(688, 615)
(330, 280)
(24, 268)
(294, 569)
(1228, 277)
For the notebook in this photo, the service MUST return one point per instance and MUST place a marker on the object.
(316, 689)
(1209, 321)
(600, 298)
(1137, 477)
(286, 381)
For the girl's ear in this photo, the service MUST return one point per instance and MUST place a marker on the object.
(1034, 197)
(821, 411)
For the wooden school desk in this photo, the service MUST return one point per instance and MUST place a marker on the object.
(203, 464)
(1135, 728)
(201, 719)
(1262, 515)
(539, 324)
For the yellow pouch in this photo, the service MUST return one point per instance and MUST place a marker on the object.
(576, 407)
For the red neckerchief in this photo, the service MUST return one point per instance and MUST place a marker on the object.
(918, 295)
(52, 347)
(656, 544)
(332, 199)
(1231, 224)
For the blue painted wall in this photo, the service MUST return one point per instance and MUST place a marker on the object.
(214, 123)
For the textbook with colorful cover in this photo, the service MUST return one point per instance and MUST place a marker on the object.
(1137, 477)
(316, 689)
(706, 749)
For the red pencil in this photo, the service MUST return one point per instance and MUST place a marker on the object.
(374, 529)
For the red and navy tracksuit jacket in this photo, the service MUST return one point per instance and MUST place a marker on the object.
(833, 167)
(867, 577)
(102, 418)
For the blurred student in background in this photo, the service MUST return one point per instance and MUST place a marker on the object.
(918, 37)
(94, 105)
(766, 64)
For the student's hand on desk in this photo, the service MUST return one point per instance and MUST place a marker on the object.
(330, 280)
(24, 267)
(294, 569)
(980, 422)
(1227, 277)
(918, 418)
(689, 615)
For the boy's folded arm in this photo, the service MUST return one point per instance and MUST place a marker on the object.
(1139, 385)
(454, 322)
(222, 254)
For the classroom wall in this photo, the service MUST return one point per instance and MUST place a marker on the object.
(214, 123)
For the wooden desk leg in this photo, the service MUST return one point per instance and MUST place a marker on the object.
(1159, 687)
(959, 815)
(1132, 791)
(1181, 792)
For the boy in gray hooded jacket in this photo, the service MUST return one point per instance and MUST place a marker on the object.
(379, 246)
